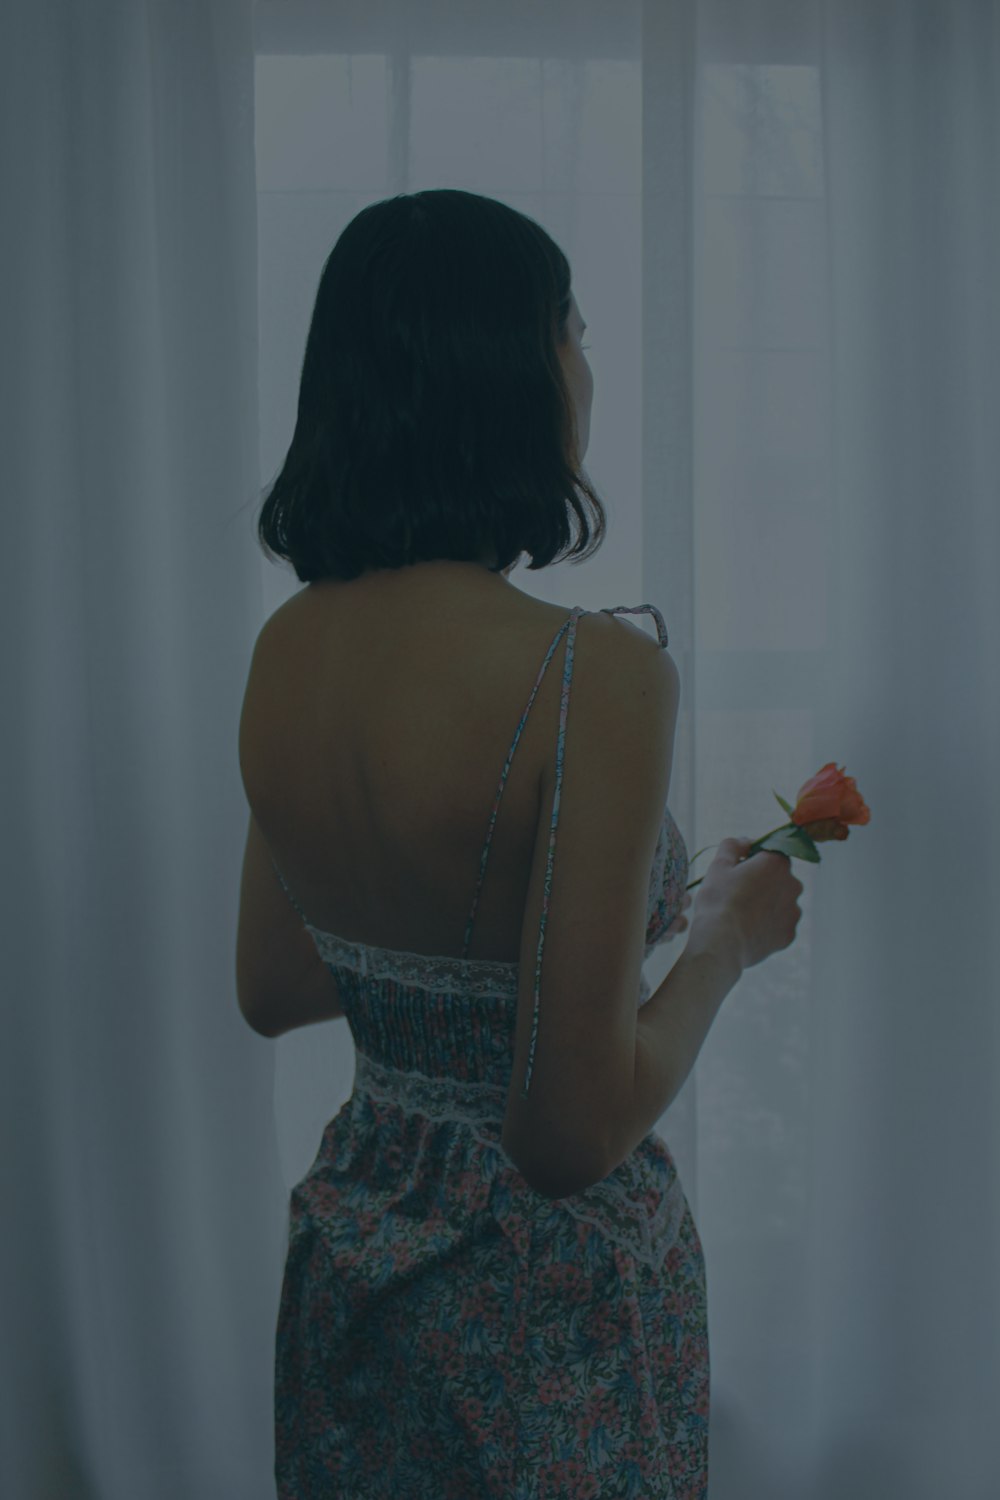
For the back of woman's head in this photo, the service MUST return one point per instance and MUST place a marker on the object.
(434, 419)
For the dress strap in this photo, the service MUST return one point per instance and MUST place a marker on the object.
(569, 629)
(643, 609)
(567, 625)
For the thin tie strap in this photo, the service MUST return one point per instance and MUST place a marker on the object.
(570, 626)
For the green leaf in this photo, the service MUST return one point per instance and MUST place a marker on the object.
(793, 842)
(784, 804)
(700, 851)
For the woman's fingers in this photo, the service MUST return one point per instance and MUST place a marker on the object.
(680, 922)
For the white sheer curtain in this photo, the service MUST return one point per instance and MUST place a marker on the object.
(783, 226)
(142, 1233)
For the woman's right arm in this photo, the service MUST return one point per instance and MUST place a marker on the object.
(605, 1070)
(622, 712)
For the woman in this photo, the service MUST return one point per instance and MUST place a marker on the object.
(493, 1286)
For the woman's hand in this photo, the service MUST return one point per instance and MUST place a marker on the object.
(680, 922)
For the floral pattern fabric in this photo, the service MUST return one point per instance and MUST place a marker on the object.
(446, 1332)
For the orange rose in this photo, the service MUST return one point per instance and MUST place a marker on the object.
(827, 803)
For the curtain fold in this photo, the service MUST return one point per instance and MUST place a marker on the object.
(783, 226)
(143, 1230)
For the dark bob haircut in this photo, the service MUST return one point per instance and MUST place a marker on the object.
(433, 418)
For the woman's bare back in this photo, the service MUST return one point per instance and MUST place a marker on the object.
(376, 723)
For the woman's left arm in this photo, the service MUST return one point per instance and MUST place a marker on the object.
(281, 981)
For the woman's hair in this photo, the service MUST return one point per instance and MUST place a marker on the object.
(433, 418)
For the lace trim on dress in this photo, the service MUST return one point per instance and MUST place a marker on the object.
(476, 978)
(479, 1106)
(614, 1206)
(446, 975)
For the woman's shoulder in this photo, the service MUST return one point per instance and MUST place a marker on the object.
(476, 611)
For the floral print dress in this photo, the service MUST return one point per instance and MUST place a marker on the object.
(444, 1331)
